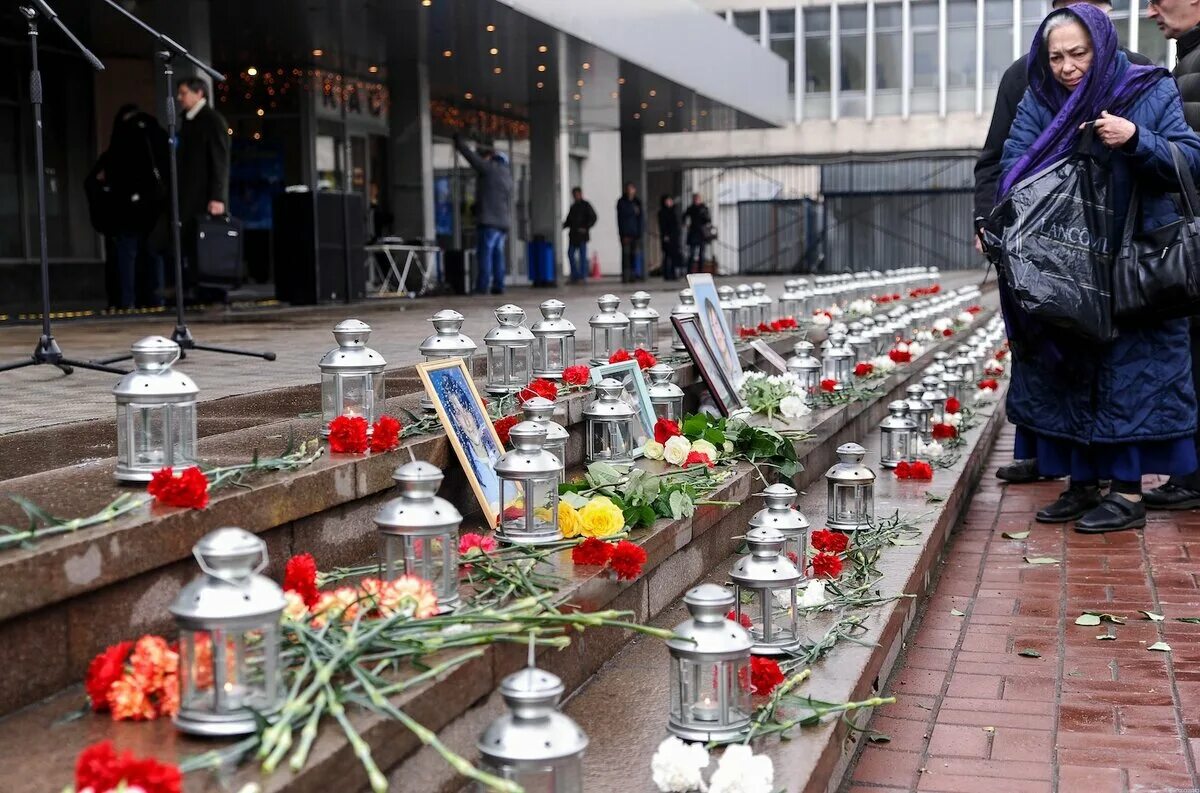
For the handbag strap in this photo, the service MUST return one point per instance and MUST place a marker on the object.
(1187, 185)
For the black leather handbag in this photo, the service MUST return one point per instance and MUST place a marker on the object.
(1157, 273)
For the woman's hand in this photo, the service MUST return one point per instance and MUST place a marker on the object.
(1114, 131)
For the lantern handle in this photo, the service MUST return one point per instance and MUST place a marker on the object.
(258, 568)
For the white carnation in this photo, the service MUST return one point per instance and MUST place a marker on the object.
(814, 594)
(922, 335)
(676, 449)
(984, 394)
(916, 350)
(707, 449)
(930, 450)
(742, 771)
(942, 324)
(993, 367)
(793, 407)
(965, 318)
(678, 766)
(822, 320)
(836, 310)
(954, 419)
(653, 450)
(883, 364)
(729, 447)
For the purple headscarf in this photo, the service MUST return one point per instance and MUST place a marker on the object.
(1112, 84)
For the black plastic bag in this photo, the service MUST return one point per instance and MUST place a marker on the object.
(1055, 250)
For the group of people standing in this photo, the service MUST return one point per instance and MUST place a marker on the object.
(1104, 415)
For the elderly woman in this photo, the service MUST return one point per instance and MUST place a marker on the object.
(1124, 409)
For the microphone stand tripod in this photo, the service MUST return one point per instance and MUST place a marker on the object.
(47, 351)
(166, 56)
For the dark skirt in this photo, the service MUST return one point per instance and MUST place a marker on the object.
(1088, 462)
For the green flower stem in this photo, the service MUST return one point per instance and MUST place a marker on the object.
(362, 750)
(767, 712)
(121, 505)
(307, 735)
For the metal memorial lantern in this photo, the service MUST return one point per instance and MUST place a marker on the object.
(805, 366)
(838, 363)
(952, 381)
(727, 300)
(509, 352)
(858, 342)
(529, 477)
(447, 341)
(791, 299)
(533, 744)
(418, 532)
(747, 305)
(351, 376)
(686, 307)
(780, 514)
(665, 396)
(228, 619)
(554, 341)
(541, 411)
(765, 584)
(766, 303)
(897, 436)
(919, 410)
(936, 398)
(643, 323)
(710, 668)
(609, 425)
(850, 489)
(156, 412)
(610, 329)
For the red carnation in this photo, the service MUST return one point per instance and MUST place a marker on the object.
(776, 325)
(745, 620)
(863, 369)
(974, 309)
(921, 470)
(188, 489)
(948, 332)
(953, 405)
(348, 435)
(900, 356)
(100, 769)
(503, 426)
(104, 670)
(577, 375)
(470, 542)
(698, 458)
(1000, 354)
(539, 388)
(765, 675)
(620, 355)
(933, 290)
(943, 431)
(764, 327)
(828, 541)
(828, 386)
(665, 429)
(645, 358)
(300, 576)
(903, 470)
(826, 565)
(989, 383)
(592, 552)
(627, 560)
(385, 434)
(747, 333)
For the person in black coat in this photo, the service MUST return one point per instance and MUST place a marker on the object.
(698, 221)
(631, 224)
(987, 179)
(202, 160)
(670, 232)
(127, 195)
(578, 224)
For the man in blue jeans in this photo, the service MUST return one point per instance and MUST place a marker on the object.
(578, 224)
(493, 212)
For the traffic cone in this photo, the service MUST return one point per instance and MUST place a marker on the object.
(595, 265)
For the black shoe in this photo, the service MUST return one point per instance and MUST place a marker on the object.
(1175, 493)
(1114, 513)
(1020, 472)
(497, 291)
(1073, 504)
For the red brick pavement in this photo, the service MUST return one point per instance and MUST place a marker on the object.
(1089, 715)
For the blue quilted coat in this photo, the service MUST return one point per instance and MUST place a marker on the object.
(1139, 386)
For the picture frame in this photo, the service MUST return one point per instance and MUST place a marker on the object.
(464, 416)
(715, 325)
(724, 394)
(773, 359)
(629, 373)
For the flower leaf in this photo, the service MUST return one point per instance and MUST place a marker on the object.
(1015, 535)
(1150, 615)
(1107, 637)
(1041, 560)
(1029, 652)
(1192, 620)
(1087, 618)
(957, 613)
(1161, 647)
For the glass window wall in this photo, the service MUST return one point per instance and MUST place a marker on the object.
(852, 71)
(781, 34)
(924, 48)
(748, 22)
(816, 63)
(962, 20)
(889, 63)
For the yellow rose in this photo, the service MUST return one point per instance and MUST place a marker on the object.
(600, 518)
(568, 520)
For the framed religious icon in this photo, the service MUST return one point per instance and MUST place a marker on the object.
(636, 396)
(716, 328)
(724, 394)
(771, 358)
(464, 416)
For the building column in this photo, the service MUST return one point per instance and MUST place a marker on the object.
(633, 157)
(410, 129)
(548, 154)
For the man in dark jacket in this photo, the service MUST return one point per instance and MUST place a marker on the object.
(493, 213)
(578, 224)
(1180, 20)
(669, 232)
(203, 162)
(987, 178)
(631, 224)
(698, 220)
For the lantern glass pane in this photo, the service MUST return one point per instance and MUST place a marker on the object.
(226, 671)
(772, 618)
(331, 406)
(543, 503)
(495, 365)
(610, 440)
(124, 432)
(639, 334)
(148, 441)
(566, 777)
(512, 507)
(183, 429)
(896, 445)
(669, 408)
(356, 397)
(698, 692)
(795, 547)
(378, 395)
(568, 351)
(738, 685)
(518, 358)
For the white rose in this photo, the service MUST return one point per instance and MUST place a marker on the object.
(965, 318)
(942, 324)
(883, 364)
(793, 407)
(653, 450)
(814, 594)
(916, 350)
(742, 771)
(728, 447)
(984, 394)
(676, 450)
(901, 346)
(677, 766)
(954, 419)
(822, 320)
(923, 335)
(707, 449)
